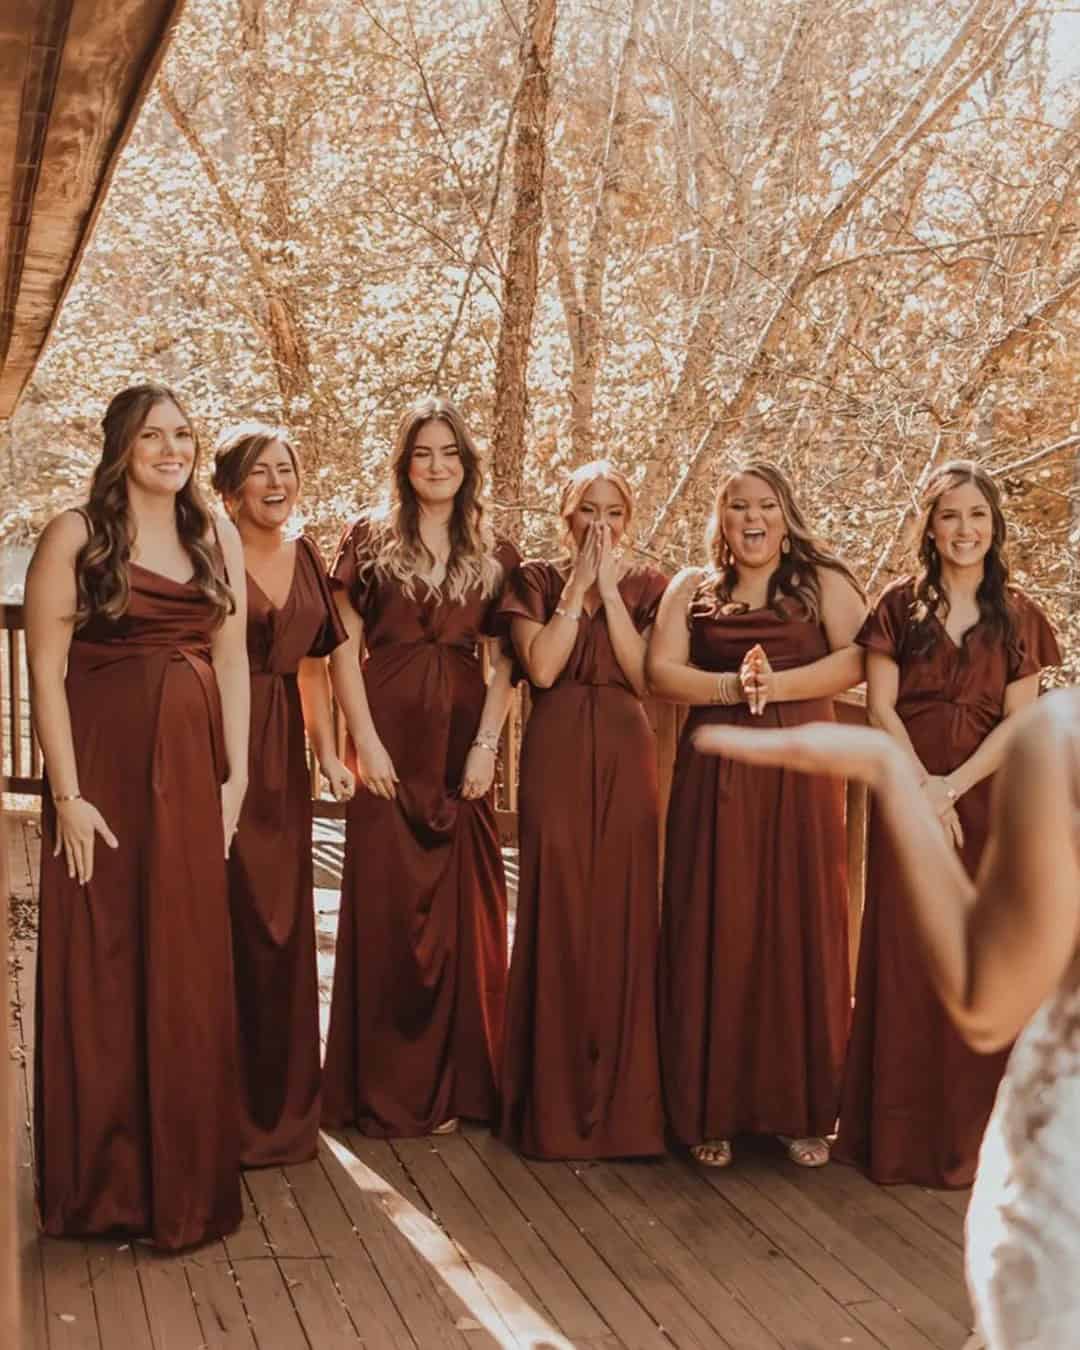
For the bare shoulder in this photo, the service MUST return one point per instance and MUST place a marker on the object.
(837, 587)
(227, 532)
(682, 583)
(63, 537)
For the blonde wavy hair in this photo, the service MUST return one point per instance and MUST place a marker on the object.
(101, 565)
(398, 551)
(576, 486)
(796, 576)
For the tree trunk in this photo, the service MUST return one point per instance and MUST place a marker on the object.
(523, 253)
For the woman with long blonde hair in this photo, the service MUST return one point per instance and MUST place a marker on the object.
(581, 1074)
(135, 636)
(953, 653)
(754, 986)
(293, 626)
(420, 975)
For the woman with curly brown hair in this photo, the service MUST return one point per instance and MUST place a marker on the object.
(292, 626)
(581, 1073)
(420, 974)
(953, 653)
(140, 695)
(753, 985)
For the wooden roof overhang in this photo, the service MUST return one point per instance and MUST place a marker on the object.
(73, 77)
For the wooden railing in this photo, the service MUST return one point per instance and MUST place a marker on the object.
(22, 763)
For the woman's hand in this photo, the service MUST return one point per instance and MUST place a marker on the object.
(939, 794)
(829, 748)
(607, 565)
(341, 780)
(77, 822)
(479, 773)
(232, 799)
(756, 677)
(583, 573)
(954, 831)
(376, 768)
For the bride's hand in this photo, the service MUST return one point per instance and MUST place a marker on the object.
(815, 747)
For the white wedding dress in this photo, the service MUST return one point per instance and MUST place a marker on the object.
(1023, 1225)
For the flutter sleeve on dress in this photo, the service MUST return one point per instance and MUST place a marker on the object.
(332, 633)
(1035, 645)
(526, 594)
(652, 590)
(883, 628)
(349, 569)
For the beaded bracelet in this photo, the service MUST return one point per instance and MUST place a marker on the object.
(574, 614)
(486, 742)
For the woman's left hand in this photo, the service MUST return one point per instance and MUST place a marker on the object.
(756, 677)
(341, 780)
(232, 799)
(479, 773)
(607, 569)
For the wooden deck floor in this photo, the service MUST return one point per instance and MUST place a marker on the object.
(456, 1242)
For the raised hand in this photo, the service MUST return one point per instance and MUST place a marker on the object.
(756, 678)
(607, 567)
(77, 822)
(815, 747)
(586, 562)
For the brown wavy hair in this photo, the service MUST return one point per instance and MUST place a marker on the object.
(397, 548)
(795, 579)
(101, 565)
(931, 599)
(237, 449)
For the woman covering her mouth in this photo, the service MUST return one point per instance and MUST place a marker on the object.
(292, 626)
(953, 653)
(754, 984)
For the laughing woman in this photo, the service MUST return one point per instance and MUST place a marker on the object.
(292, 623)
(420, 976)
(754, 995)
(581, 1074)
(952, 655)
(146, 748)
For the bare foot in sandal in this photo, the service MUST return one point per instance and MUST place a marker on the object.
(447, 1127)
(712, 1153)
(811, 1152)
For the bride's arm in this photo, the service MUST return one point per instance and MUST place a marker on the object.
(996, 947)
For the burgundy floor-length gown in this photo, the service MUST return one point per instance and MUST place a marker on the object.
(916, 1099)
(135, 1101)
(270, 876)
(416, 1016)
(753, 976)
(581, 1071)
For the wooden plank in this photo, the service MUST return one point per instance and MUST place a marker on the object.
(287, 1233)
(322, 1313)
(614, 1303)
(272, 1316)
(915, 1249)
(889, 1326)
(69, 1302)
(557, 1292)
(927, 1205)
(780, 1296)
(410, 1282)
(855, 1249)
(216, 1293)
(31, 1273)
(348, 1261)
(118, 1296)
(170, 1307)
(512, 1298)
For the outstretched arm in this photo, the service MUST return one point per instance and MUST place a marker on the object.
(997, 947)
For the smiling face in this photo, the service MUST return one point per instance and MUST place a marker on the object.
(962, 526)
(752, 521)
(162, 455)
(269, 492)
(602, 503)
(435, 468)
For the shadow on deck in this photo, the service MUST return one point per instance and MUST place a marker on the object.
(456, 1242)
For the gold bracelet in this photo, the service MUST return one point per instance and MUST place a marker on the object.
(485, 741)
(726, 693)
(574, 614)
(67, 797)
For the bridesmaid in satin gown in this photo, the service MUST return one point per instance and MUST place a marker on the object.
(1003, 957)
(420, 977)
(292, 625)
(952, 655)
(753, 985)
(145, 742)
(581, 1072)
